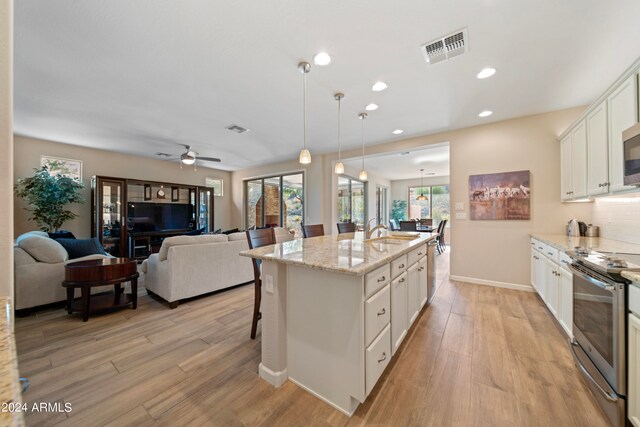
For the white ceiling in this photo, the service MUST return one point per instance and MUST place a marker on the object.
(406, 165)
(142, 76)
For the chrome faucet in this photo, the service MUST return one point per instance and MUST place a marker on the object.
(369, 231)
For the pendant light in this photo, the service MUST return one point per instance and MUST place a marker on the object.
(339, 166)
(305, 155)
(422, 197)
(363, 173)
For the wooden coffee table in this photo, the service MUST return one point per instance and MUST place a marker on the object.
(100, 272)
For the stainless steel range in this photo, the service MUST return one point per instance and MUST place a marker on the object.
(599, 327)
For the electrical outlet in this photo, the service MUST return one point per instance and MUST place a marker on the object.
(459, 206)
(268, 283)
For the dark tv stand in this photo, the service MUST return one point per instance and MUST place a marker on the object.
(144, 243)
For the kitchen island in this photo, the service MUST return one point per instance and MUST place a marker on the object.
(336, 308)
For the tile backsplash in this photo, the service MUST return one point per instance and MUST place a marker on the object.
(618, 218)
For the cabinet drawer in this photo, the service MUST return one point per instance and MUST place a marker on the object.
(377, 358)
(376, 279)
(398, 266)
(550, 252)
(634, 299)
(377, 312)
(416, 254)
(538, 245)
(565, 260)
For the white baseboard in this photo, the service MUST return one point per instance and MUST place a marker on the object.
(276, 379)
(525, 288)
(347, 412)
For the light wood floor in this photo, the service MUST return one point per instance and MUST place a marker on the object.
(477, 356)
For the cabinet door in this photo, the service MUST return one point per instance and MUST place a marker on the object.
(422, 269)
(552, 286)
(399, 316)
(622, 109)
(597, 151)
(579, 160)
(109, 204)
(541, 275)
(413, 293)
(566, 301)
(534, 269)
(565, 165)
(634, 370)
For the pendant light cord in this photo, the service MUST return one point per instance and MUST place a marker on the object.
(304, 108)
(339, 142)
(363, 142)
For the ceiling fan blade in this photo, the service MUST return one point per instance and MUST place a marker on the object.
(208, 159)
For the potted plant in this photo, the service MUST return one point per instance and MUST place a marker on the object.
(47, 196)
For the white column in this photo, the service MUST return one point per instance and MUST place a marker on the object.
(6, 148)
(273, 367)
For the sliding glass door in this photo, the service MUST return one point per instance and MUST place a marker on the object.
(352, 200)
(275, 201)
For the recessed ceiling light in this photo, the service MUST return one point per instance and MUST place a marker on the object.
(371, 107)
(322, 58)
(379, 86)
(485, 113)
(397, 131)
(487, 72)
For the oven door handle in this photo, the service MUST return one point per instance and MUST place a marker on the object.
(607, 395)
(593, 281)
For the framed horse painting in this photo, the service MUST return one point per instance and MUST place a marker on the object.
(500, 196)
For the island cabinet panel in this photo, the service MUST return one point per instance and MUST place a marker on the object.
(399, 320)
(413, 293)
(424, 283)
(399, 266)
(376, 279)
(325, 335)
(377, 313)
(378, 356)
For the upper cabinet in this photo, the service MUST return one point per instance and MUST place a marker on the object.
(598, 151)
(591, 149)
(622, 106)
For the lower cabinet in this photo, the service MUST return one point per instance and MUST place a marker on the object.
(633, 395)
(377, 357)
(413, 293)
(566, 301)
(551, 282)
(398, 311)
(424, 284)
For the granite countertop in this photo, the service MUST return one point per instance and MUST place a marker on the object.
(633, 276)
(339, 253)
(10, 388)
(564, 243)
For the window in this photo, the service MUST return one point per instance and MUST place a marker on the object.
(435, 207)
(351, 200)
(275, 201)
(216, 184)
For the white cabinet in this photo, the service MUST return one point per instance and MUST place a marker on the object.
(551, 282)
(579, 161)
(413, 293)
(535, 276)
(399, 317)
(566, 301)
(597, 151)
(565, 165)
(541, 267)
(424, 284)
(634, 370)
(622, 109)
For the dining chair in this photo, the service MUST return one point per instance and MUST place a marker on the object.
(441, 238)
(312, 230)
(346, 227)
(439, 231)
(257, 239)
(408, 226)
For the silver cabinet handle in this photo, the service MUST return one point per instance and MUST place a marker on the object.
(565, 261)
(401, 266)
(382, 279)
(384, 357)
(382, 312)
(402, 280)
(550, 253)
(540, 247)
(419, 253)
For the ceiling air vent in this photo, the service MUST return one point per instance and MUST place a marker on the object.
(236, 129)
(445, 47)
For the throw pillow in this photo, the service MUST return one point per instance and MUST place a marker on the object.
(62, 234)
(43, 249)
(78, 248)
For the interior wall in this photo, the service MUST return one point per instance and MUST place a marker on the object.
(100, 162)
(313, 188)
(6, 148)
(618, 218)
(498, 251)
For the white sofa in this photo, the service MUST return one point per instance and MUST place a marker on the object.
(188, 266)
(39, 270)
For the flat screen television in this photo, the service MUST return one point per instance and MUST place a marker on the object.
(159, 216)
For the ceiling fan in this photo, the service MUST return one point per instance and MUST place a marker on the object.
(189, 157)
